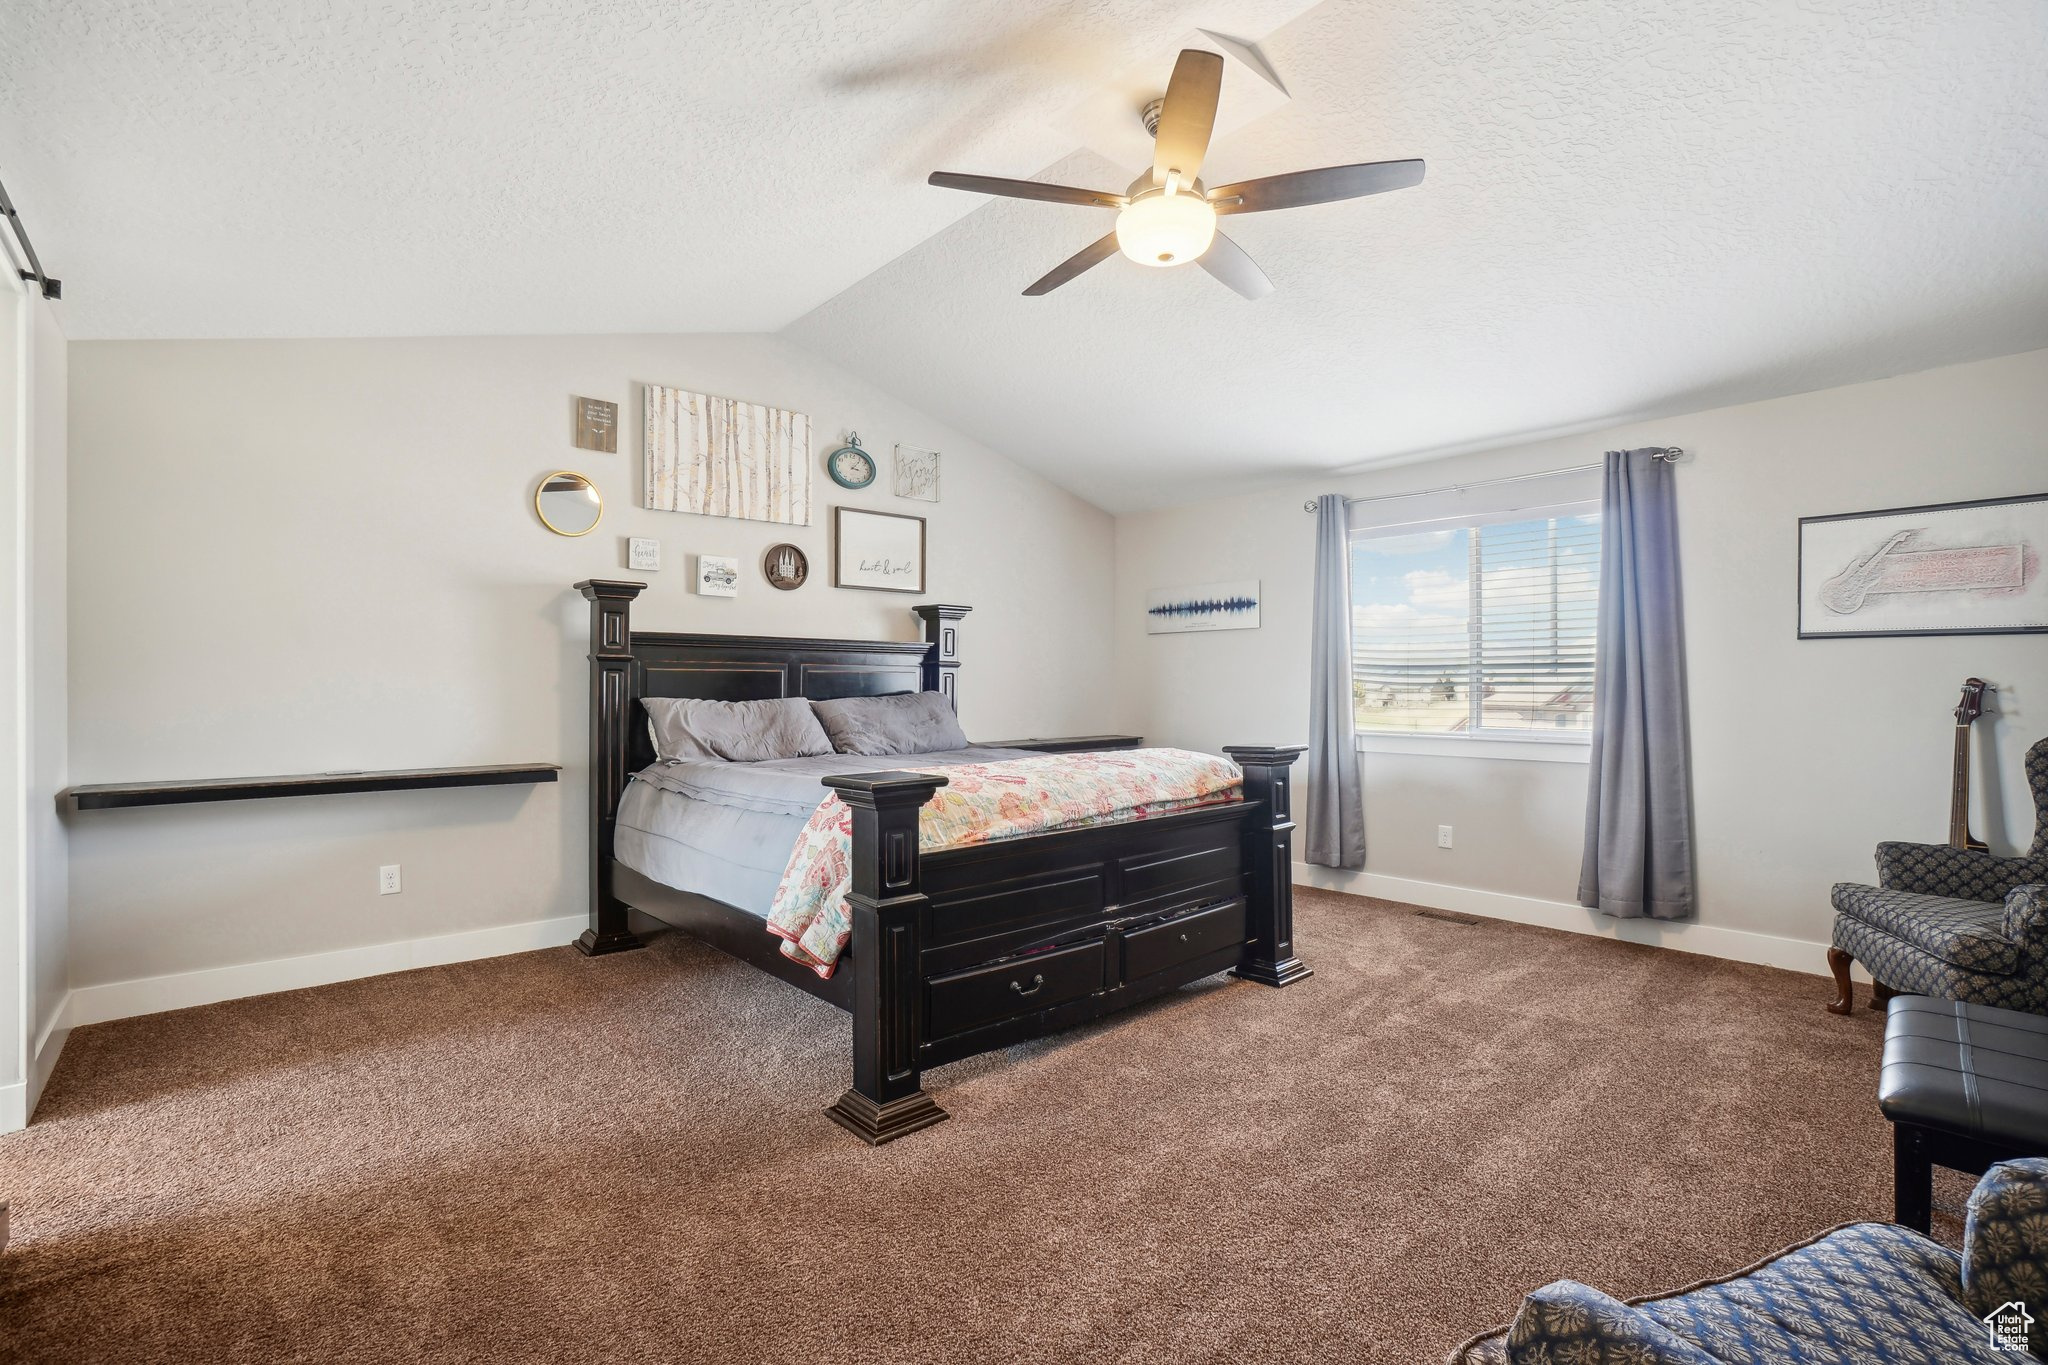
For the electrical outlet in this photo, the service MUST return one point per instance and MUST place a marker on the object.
(1443, 839)
(387, 880)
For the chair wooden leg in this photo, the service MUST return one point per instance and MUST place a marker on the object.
(1838, 963)
(1880, 994)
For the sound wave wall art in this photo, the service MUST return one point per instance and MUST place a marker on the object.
(1205, 606)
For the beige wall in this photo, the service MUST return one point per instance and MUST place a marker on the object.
(1806, 753)
(296, 556)
(293, 556)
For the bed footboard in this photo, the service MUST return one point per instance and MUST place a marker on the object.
(1269, 866)
(888, 906)
(976, 948)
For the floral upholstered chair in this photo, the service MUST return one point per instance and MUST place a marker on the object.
(1864, 1294)
(1956, 923)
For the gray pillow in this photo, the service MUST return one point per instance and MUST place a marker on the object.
(735, 731)
(910, 723)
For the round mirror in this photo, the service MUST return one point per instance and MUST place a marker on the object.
(568, 504)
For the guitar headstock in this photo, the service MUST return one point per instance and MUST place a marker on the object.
(1972, 704)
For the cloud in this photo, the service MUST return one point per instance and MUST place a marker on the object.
(1530, 583)
(1401, 616)
(1435, 588)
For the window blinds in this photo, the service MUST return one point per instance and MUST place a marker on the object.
(1481, 624)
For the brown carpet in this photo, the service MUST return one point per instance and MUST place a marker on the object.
(548, 1158)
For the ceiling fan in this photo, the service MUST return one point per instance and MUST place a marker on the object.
(1168, 217)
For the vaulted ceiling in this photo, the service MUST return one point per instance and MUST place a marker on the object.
(371, 168)
(1629, 210)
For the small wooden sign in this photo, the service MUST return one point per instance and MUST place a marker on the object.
(597, 425)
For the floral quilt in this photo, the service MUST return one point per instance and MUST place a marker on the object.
(984, 802)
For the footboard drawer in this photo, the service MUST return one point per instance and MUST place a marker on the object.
(1169, 943)
(967, 1000)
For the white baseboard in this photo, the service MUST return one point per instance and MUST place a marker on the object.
(1686, 936)
(48, 1048)
(149, 995)
(18, 1101)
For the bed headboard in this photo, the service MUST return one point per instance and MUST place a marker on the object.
(626, 665)
(756, 668)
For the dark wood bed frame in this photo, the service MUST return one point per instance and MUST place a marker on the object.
(962, 950)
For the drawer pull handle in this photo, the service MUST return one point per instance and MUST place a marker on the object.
(1037, 981)
(1183, 938)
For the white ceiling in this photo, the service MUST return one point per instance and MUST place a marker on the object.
(1630, 209)
(201, 168)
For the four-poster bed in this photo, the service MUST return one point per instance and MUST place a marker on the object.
(961, 950)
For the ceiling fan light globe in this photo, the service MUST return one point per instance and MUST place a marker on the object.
(1165, 229)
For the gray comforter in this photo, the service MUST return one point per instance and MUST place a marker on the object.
(725, 830)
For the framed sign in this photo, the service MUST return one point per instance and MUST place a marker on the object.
(718, 576)
(597, 425)
(917, 473)
(1953, 568)
(879, 551)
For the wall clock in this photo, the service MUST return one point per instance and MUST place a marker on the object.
(850, 466)
(785, 567)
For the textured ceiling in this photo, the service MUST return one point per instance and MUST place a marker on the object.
(1630, 210)
(377, 167)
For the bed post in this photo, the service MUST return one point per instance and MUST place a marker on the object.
(942, 660)
(1269, 866)
(611, 715)
(888, 907)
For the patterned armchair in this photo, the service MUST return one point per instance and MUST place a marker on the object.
(1865, 1294)
(1956, 923)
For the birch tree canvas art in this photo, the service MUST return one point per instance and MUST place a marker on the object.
(719, 457)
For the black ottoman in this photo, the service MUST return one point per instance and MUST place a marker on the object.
(1965, 1086)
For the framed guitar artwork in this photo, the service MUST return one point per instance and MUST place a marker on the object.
(1953, 568)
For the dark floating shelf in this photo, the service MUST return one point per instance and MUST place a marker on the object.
(117, 795)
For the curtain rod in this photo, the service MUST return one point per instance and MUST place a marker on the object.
(1668, 454)
(52, 289)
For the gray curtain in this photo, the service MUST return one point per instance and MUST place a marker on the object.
(1336, 804)
(1638, 860)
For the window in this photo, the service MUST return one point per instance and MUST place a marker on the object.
(1477, 625)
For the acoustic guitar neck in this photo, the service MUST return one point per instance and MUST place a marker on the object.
(1972, 706)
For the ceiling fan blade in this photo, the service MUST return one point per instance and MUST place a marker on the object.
(1094, 254)
(1187, 116)
(1226, 260)
(1026, 189)
(1315, 187)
